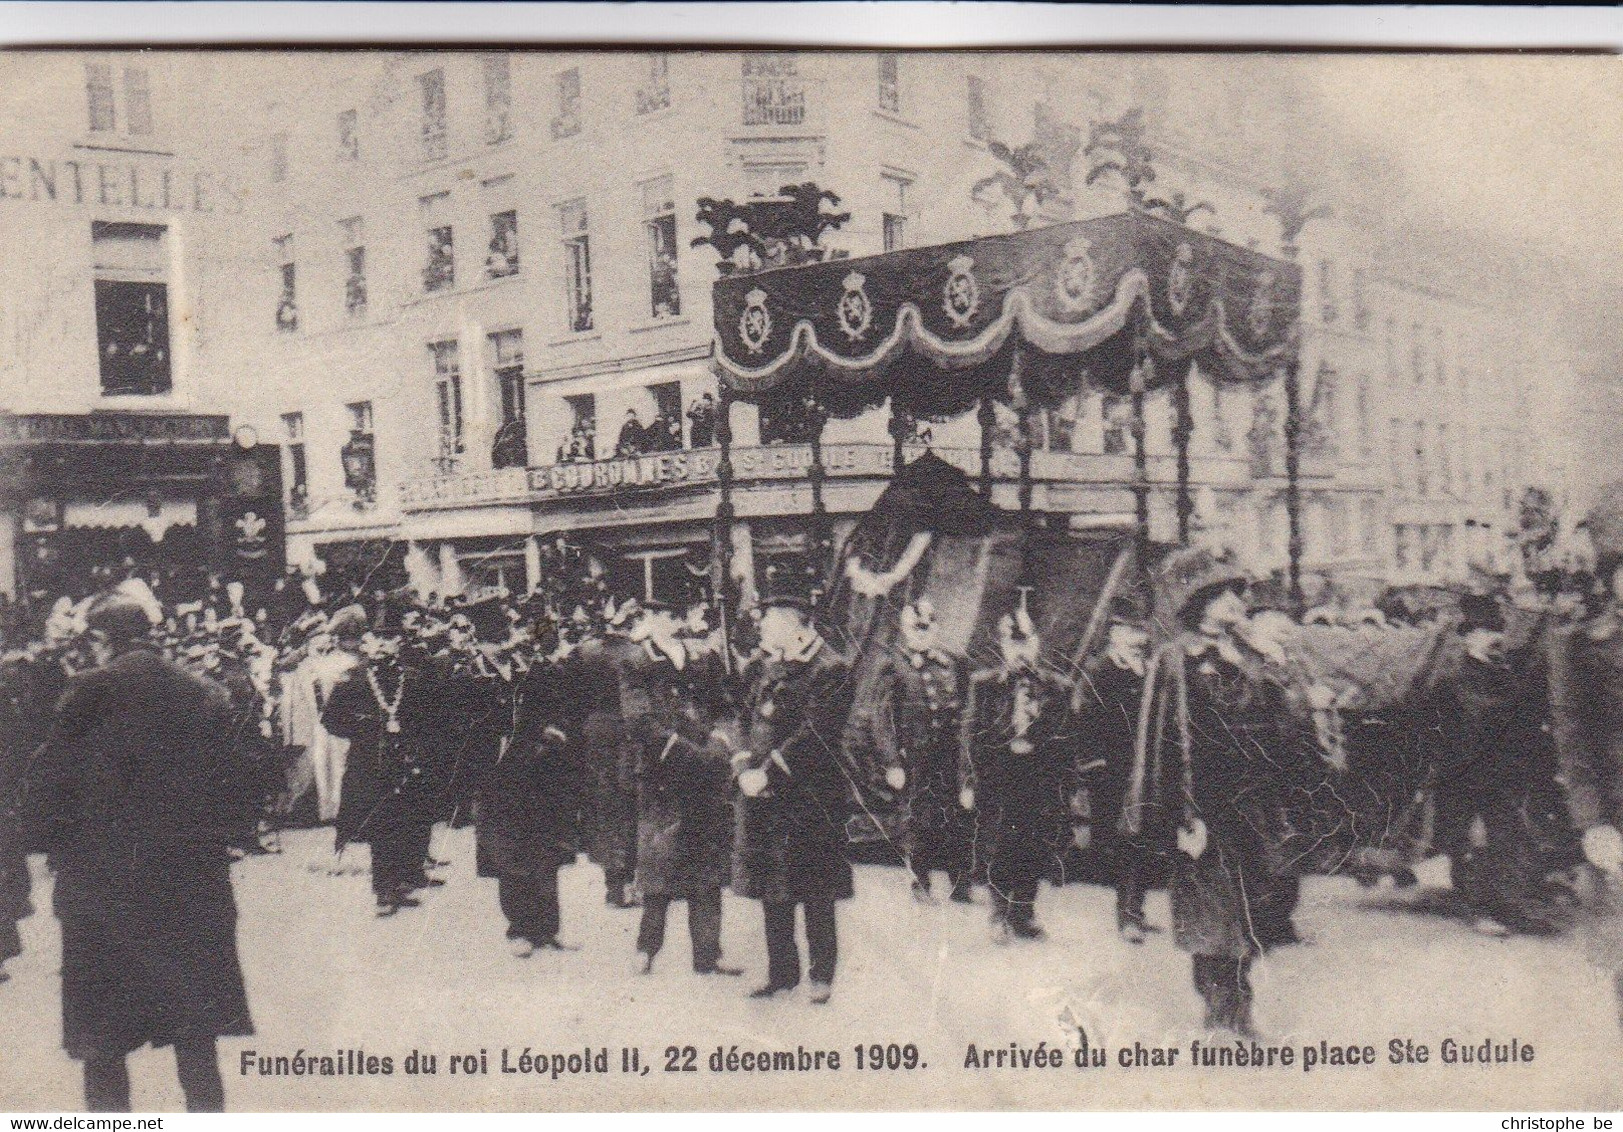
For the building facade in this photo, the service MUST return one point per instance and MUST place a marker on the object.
(459, 292)
(121, 213)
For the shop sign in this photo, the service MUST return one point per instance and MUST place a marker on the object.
(101, 428)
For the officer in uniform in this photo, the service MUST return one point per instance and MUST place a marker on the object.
(1016, 748)
(914, 721)
(790, 847)
(1106, 702)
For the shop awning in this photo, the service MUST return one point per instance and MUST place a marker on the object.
(938, 328)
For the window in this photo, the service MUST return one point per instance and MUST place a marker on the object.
(359, 455)
(1397, 461)
(1403, 546)
(664, 432)
(447, 361)
(439, 270)
(349, 136)
(509, 449)
(287, 305)
(774, 93)
(102, 96)
(1417, 356)
(1369, 523)
(278, 157)
(1336, 517)
(577, 264)
(502, 259)
(353, 233)
(298, 472)
(132, 308)
(431, 86)
(890, 83)
(137, 101)
(498, 99)
(99, 89)
(581, 443)
(768, 180)
(976, 109)
(894, 220)
(1118, 414)
(1327, 291)
(654, 91)
(567, 123)
(659, 228)
(1422, 469)
(1445, 461)
(1360, 299)
(1366, 439)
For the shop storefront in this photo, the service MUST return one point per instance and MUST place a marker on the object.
(181, 496)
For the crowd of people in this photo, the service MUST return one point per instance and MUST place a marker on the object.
(662, 434)
(148, 744)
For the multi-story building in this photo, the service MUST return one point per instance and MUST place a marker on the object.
(456, 277)
(120, 211)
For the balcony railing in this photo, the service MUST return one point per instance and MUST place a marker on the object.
(685, 469)
(774, 100)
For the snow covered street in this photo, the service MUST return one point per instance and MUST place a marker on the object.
(325, 975)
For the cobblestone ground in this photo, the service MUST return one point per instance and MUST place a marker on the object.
(325, 975)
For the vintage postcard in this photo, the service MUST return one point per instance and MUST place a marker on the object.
(685, 579)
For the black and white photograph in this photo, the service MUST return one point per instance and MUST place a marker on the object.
(579, 577)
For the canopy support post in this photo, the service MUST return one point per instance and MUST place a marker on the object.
(1183, 431)
(1022, 438)
(1141, 457)
(722, 537)
(987, 418)
(822, 538)
(900, 428)
(1293, 481)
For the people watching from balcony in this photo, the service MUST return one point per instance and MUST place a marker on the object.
(702, 421)
(581, 447)
(633, 439)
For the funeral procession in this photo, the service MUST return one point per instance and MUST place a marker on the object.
(1000, 548)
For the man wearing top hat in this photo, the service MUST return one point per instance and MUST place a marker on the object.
(1211, 765)
(789, 846)
(1015, 752)
(684, 784)
(388, 707)
(1496, 787)
(137, 795)
(1106, 701)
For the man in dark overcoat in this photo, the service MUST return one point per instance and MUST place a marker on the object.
(914, 722)
(528, 805)
(390, 708)
(1492, 797)
(684, 790)
(1216, 765)
(1016, 750)
(1107, 701)
(602, 670)
(790, 845)
(1586, 690)
(136, 795)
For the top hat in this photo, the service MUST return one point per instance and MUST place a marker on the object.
(119, 616)
(1481, 611)
(349, 623)
(1192, 573)
(788, 585)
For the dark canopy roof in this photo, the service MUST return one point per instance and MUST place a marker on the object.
(937, 327)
